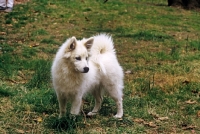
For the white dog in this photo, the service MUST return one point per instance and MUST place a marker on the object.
(87, 65)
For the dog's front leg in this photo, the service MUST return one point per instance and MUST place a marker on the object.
(76, 104)
(62, 104)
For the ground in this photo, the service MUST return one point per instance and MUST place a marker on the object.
(157, 46)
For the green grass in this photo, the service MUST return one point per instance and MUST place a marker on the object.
(41, 76)
(4, 92)
(158, 44)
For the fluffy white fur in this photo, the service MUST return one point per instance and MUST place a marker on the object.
(87, 65)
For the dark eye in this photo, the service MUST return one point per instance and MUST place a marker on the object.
(78, 58)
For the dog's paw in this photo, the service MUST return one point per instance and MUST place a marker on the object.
(61, 116)
(118, 116)
(72, 117)
(91, 113)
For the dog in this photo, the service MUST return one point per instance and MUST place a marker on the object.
(86, 66)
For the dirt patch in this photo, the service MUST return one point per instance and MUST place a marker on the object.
(183, 35)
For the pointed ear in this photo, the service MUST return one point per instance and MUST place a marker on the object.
(89, 42)
(70, 47)
(72, 44)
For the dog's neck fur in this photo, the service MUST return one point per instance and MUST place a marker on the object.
(72, 73)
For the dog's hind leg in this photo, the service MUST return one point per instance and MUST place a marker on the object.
(116, 94)
(98, 95)
(119, 107)
(118, 100)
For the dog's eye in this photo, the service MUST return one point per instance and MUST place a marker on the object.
(78, 58)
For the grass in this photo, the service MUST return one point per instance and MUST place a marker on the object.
(157, 46)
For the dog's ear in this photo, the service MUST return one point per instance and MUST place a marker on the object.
(72, 44)
(70, 47)
(89, 42)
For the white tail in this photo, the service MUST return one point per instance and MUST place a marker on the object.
(102, 44)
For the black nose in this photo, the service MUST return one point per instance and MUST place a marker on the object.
(86, 69)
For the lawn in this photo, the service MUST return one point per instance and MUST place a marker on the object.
(157, 46)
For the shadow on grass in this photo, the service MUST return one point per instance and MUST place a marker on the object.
(67, 124)
(5, 93)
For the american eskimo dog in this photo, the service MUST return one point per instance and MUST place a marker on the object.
(87, 66)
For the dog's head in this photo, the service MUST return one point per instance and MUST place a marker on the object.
(78, 53)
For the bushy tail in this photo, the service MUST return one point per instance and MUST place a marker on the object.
(102, 44)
